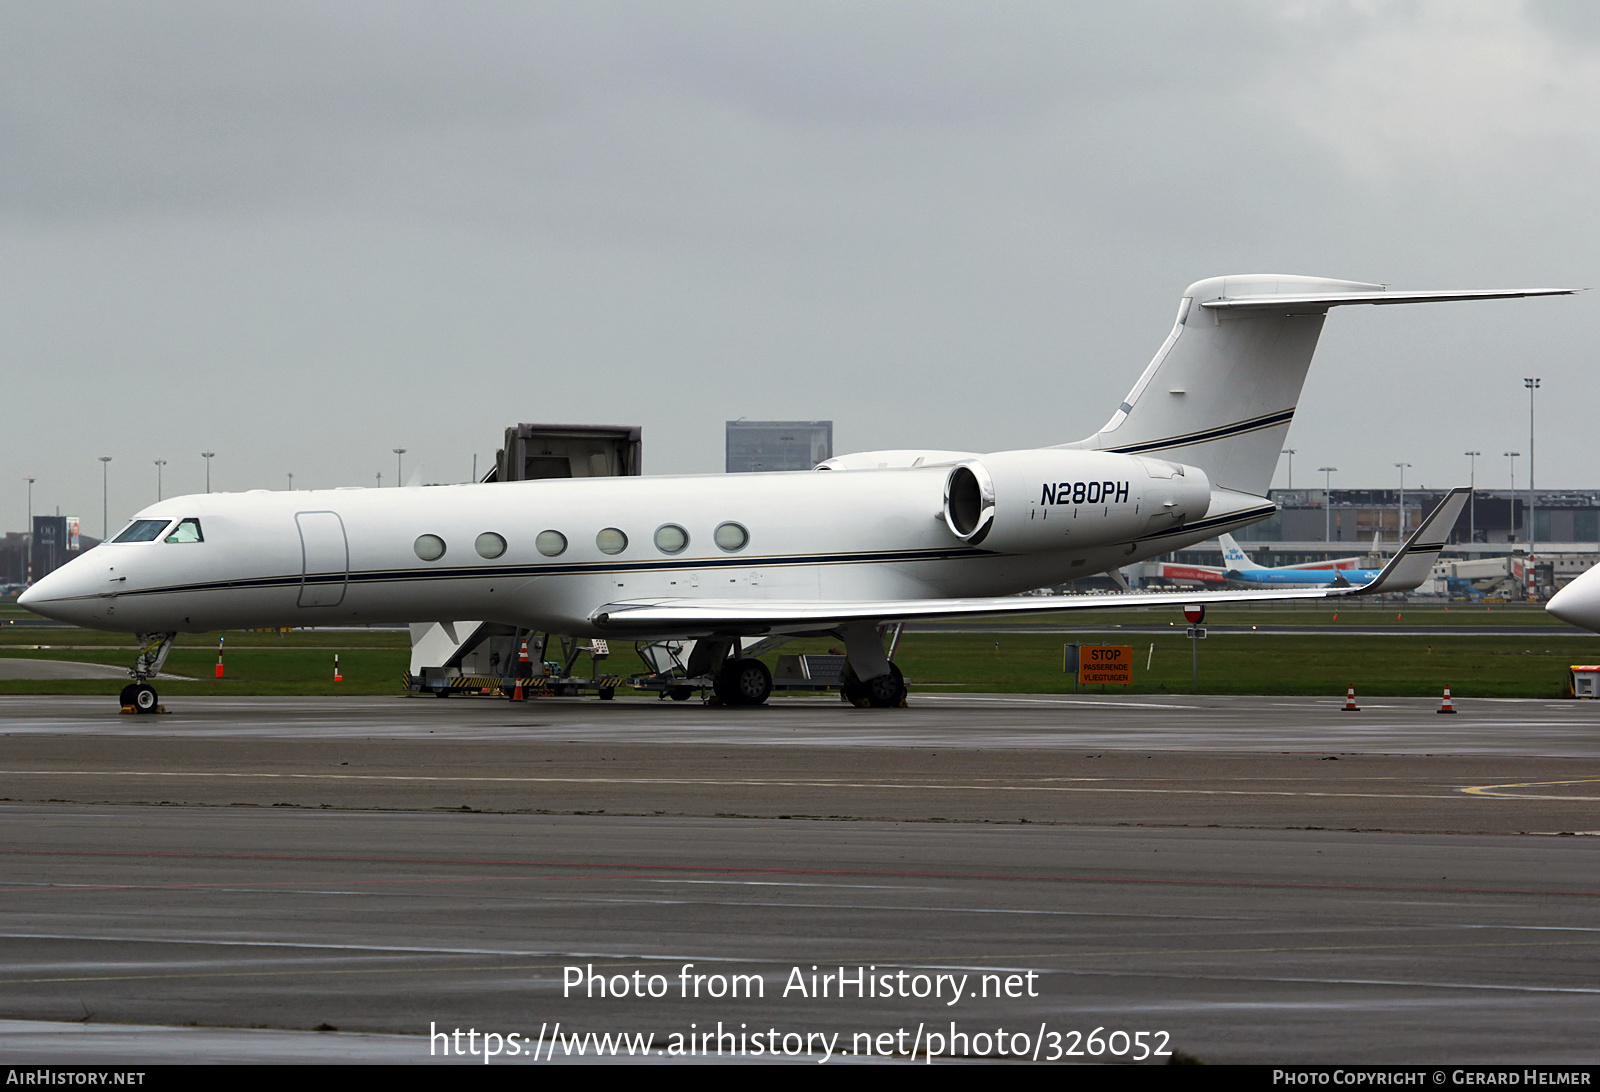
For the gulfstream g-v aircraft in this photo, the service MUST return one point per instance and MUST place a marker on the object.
(871, 538)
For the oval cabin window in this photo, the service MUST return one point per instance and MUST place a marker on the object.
(671, 539)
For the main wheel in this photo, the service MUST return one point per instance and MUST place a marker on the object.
(744, 682)
(145, 698)
(883, 692)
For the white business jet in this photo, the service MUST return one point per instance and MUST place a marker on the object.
(876, 537)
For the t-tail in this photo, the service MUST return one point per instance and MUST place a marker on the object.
(1223, 387)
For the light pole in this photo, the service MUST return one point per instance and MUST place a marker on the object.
(1289, 451)
(30, 533)
(207, 456)
(1402, 467)
(380, 479)
(105, 495)
(1512, 455)
(1532, 383)
(291, 481)
(159, 464)
(1327, 501)
(1472, 495)
(399, 454)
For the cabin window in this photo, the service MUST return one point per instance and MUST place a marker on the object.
(611, 541)
(731, 537)
(490, 544)
(142, 530)
(551, 543)
(671, 539)
(429, 547)
(188, 531)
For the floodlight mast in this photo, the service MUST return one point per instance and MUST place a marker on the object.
(1472, 504)
(1327, 501)
(1402, 467)
(105, 497)
(1513, 456)
(1532, 383)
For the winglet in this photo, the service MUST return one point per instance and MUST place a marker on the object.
(1413, 562)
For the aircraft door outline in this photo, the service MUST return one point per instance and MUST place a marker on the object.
(324, 552)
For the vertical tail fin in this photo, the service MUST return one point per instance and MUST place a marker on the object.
(1222, 389)
(1233, 557)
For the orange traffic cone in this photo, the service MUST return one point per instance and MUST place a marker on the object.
(336, 676)
(517, 693)
(1350, 705)
(1447, 707)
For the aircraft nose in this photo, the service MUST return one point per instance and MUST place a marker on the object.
(1579, 602)
(58, 595)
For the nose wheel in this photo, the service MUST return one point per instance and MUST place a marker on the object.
(139, 696)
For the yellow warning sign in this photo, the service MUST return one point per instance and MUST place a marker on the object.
(1106, 665)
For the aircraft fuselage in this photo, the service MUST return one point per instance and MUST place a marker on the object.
(548, 553)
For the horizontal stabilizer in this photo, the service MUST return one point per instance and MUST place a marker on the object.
(1321, 301)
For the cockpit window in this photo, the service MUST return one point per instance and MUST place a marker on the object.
(188, 531)
(144, 530)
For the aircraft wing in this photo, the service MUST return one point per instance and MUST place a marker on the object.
(1410, 566)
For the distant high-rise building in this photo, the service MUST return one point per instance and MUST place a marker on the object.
(778, 445)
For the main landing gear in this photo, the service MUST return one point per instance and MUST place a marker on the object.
(139, 696)
(870, 676)
(742, 682)
(868, 679)
(887, 691)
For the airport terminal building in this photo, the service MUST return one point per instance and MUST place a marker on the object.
(1319, 525)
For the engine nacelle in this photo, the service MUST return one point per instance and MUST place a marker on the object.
(1027, 501)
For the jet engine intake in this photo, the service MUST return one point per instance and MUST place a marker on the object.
(1026, 501)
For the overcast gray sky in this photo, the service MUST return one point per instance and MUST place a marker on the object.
(302, 234)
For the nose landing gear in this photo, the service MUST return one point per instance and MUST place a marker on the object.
(139, 696)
